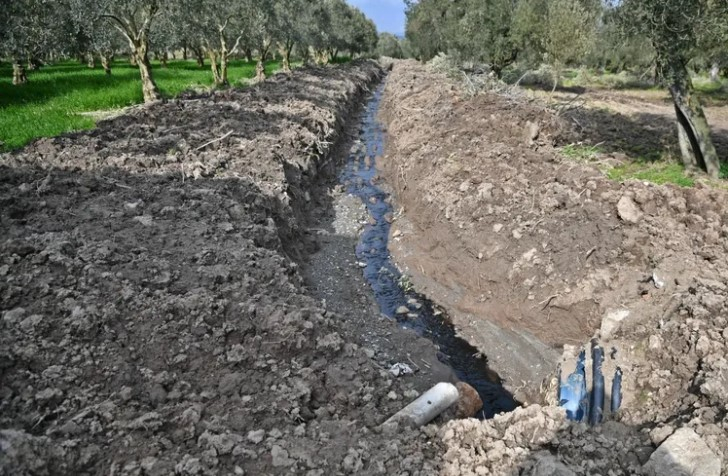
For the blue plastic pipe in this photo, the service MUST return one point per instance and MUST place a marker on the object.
(573, 396)
(597, 394)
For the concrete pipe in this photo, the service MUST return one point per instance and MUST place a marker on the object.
(427, 407)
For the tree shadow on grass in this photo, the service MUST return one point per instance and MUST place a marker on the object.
(60, 80)
(645, 136)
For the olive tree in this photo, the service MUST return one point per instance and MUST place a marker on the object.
(364, 35)
(486, 33)
(317, 32)
(134, 19)
(290, 17)
(424, 29)
(569, 33)
(341, 19)
(261, 30)
(673, 27)
(31, 29)
(92, 34)
(219, 26)
(389, 45)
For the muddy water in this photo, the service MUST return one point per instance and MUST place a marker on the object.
(391, 289)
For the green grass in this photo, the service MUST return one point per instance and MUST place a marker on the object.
(711, 93)
(581, 152)
(651, 167)
(705, 85)
(655, 172)
(56, 96)
(724, 170)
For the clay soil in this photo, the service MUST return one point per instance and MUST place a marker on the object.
(531, 252)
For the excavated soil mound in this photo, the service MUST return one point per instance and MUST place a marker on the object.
(152, 322)
(531, 251)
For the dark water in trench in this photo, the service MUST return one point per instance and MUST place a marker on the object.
(391, 291)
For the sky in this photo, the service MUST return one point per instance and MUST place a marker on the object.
(387, 14)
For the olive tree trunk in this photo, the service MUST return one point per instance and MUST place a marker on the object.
(138, 38)
(260, 73)
(214, 66)
(19, 76)
(149, 87)
(106, 60)
(320, 56)
(33, 63)
(199, 54)
(285, 50)
(90, 60)
(696, 144)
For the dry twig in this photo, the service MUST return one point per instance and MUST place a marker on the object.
(214, 140)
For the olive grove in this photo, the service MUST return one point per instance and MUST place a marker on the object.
(37, 31)
(663, 39)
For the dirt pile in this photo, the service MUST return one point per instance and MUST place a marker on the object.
(540, 441)
(531, 251)
(152, 322)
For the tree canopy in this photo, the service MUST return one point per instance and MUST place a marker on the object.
(669, 37)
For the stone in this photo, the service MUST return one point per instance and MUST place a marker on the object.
(145, 220)
(612, 321)
(660, 434)
(229, 383)
(29, 323)
(549, 465)
(223, 443)
(628, 210)
(14, 315)
(655, 342)
(485, 191)
(256, 436)
(402, 310)
(497, 227)
(683, 454)
(226, 226)
(280, 457)
(532, 131)
(469, 402)
(414, 303)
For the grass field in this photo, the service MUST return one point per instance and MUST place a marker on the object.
(56, 96)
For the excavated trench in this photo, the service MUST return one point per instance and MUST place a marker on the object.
(392, 291)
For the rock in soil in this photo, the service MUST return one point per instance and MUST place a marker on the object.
(683, 454)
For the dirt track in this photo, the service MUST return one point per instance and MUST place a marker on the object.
(161, 295)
